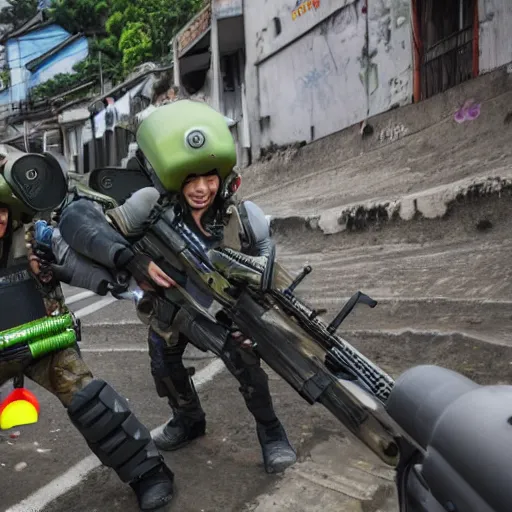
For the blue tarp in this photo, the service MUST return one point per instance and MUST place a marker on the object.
(61, 62)
(27, 47)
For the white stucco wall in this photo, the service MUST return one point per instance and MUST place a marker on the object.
(495, 33)
(226, 8)
(391, 71)
(261, 22)
(313, 74)
(315, 82)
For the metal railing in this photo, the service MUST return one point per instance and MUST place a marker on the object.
(448, 63)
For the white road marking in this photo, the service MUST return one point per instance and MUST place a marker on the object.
(113, 349)
(74, 475)
(95, 306)
(79, 296)
(116, 323)
(208, 373)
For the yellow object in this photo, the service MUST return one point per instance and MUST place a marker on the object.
(18, 413)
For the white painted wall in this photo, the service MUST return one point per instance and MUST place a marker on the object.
(226, 8)
(313, 74)
(261, 22)
(495, 33)
(315, 82)
(391, 73)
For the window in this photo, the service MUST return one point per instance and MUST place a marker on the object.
(229, 67)
(447, 38)
(277, 26)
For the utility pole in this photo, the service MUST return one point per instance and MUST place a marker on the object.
(101, 73)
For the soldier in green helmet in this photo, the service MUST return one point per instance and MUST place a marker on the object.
(28, 297)
(192, 152)
(192, 155)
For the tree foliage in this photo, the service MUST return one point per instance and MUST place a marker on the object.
(85, 71)
(135, 44)
(130, 32)
(123, 33)
(161, 19)
(87, 16)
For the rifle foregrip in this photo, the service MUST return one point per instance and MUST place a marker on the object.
(145, 252)
(138, 266)
(166, 233)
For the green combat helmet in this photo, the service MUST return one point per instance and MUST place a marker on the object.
(30, 183)
(19, 211)
(186, 137)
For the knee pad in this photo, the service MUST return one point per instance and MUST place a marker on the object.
(113, 432)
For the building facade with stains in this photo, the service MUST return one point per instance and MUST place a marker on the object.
(209, 64)
(495, 29)
(315, 67)
(319, 66)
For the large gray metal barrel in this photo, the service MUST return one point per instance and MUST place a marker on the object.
(466, 431)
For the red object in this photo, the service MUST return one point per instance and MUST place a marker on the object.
(476, 42)
(236, 184)
(418, 51)
(20, 394)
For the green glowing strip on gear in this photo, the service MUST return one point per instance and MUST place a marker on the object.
(51, 344)
(35, 330)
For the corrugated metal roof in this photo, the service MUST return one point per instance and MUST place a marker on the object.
(37, 22)
(128, 84)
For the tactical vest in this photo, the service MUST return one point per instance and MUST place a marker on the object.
(21, 300)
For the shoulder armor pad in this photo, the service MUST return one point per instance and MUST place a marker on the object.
(254, 221)
(81, 191)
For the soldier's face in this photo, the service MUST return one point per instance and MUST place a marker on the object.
(200, 192)
(4, 220)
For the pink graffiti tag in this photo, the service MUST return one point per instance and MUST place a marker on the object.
(468, 112)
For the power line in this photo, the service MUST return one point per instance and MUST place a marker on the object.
(37, 54)
(24, 81)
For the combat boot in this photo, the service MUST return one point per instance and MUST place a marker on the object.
(179, 431)
(154, 490)
(123, 443)
(277, 451)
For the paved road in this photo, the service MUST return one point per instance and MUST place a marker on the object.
(221, 472)
(430, 290)
(444, 292)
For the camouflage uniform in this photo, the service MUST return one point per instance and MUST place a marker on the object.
(62, 373)
(100, 414)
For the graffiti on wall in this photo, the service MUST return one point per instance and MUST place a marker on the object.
(399, 89)
(468, 112)
(302, 7)
(393, 133)
(316, 85)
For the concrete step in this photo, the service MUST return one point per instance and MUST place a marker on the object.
(331, 472)
(433, 151)
(395, 352)
(488, 322)
(431, 203)
(465, 271)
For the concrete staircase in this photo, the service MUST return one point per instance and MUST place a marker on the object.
(421, 223)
